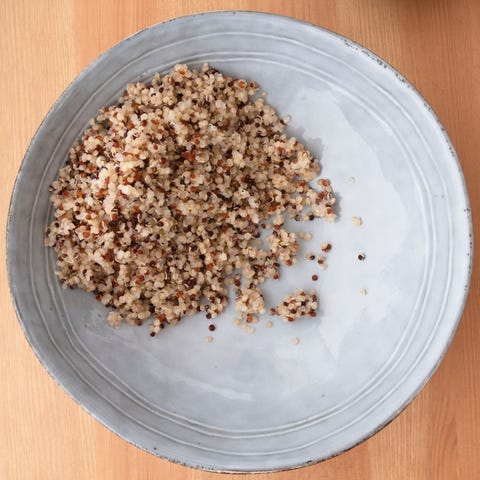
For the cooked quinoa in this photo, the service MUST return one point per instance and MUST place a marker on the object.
(296, 305)
(249, 300)
(162, 200)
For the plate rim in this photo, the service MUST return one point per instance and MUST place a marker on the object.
(463, 194)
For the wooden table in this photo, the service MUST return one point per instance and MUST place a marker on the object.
(45, 44)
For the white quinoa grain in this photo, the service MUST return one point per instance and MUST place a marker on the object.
(209, 339)
(363, 291)
(357, 221)
(295, 341)
(269, 324)
(114, 319)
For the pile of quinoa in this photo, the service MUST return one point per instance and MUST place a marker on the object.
(296, 305)
(163, 200)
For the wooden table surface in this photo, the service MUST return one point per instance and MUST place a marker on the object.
(45, 44)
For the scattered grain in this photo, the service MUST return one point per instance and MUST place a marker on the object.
(326, 247)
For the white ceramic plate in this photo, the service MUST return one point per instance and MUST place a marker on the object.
(257, 402)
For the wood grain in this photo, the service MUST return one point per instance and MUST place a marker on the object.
(45, 44)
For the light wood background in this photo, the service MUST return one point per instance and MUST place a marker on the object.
(45, 44)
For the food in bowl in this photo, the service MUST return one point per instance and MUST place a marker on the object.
(164, 198)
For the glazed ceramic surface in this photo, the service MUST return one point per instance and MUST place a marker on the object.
(258, 402)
